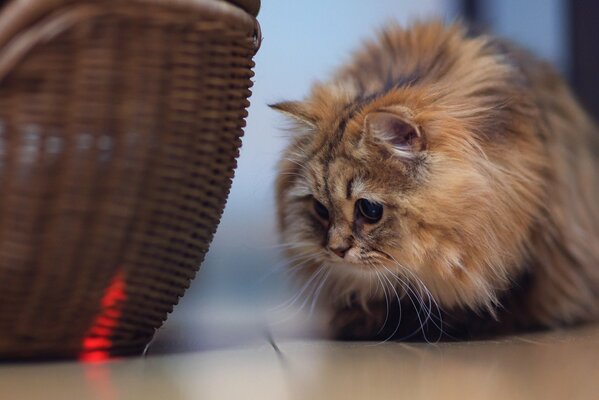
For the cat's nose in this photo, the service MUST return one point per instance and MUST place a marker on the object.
(339, 250)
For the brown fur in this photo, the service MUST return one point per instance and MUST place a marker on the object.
(504, 186)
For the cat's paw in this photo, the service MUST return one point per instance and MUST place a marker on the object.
(355, 323)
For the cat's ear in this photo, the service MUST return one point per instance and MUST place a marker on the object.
(296, 110)
(405, 136)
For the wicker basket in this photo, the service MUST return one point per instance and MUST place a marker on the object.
(120, 122)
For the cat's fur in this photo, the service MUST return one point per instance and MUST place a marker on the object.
(490, 223)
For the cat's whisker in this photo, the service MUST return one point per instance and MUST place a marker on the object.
(299, 164)
(430, 302)
(292, 174)
(300, 265)
(431, 299)
(410, 291)
(316, 294)
(422, 286)
(294, 244)
(291, 302)
(386, 301)
(290, 264)
(306, 297)
(320, 273)
(399, 309)
(308, 253)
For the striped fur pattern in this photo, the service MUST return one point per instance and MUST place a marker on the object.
(502, 185)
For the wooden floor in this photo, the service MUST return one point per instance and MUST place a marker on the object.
(556, 365)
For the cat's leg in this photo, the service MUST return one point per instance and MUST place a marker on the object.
(403, 321)
(354, 322)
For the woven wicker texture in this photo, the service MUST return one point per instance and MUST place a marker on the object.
(251, 6)
(120, 122)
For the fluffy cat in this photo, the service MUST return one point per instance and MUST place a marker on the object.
(442, 185)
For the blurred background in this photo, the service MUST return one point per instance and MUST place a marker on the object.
(233, 300)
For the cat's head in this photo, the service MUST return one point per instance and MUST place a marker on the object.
(428, 183)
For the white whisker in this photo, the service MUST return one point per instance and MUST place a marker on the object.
(299, 294)
(316, 294)
(422, 303)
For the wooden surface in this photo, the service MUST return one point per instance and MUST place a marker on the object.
(556, 365)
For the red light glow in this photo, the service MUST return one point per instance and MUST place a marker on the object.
(96, 343)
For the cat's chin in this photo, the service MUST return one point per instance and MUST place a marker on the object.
(351, 267)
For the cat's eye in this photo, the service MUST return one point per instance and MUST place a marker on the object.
(321, 210)
(372, 212)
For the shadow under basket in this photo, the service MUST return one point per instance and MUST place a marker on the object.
(120, 123)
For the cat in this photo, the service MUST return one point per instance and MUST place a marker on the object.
(442, 185)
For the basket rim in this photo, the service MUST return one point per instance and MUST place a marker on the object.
(24, 24)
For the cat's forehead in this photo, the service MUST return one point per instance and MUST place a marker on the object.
(347, 170)
(337, 177)
(327, 167)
